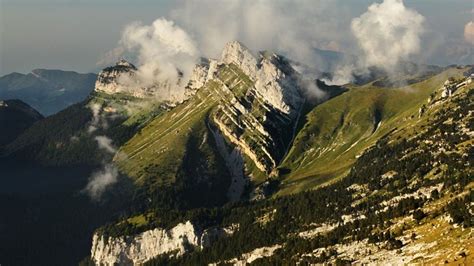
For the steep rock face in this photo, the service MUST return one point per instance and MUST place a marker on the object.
(144, 246)
(123, 78)
(237, 53)
(252, 104)
(109, 81)
(275, 79)
(149, 244)
(276, 82)
(263, 99)
(202, 72)
(235, 163)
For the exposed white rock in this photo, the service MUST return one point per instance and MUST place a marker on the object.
(211, 73)
(108, 80)
(388, 175)
(123, 78)
(144, 246)
(138, 249)
(272, 84)
(244, 147)
(421, 192)
(275, 101)
(278, 88)
(251, 256)
(451, 86)
(358, 188)
(237, 53)
(202, 72)
(365, 253)
(235, 163)
(470, 79)
(199, 76)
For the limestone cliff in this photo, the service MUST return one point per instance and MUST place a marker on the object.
(263, 101)
(237, 53)
(135, 250)
(124, 78)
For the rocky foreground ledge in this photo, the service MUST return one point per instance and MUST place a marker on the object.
(138, 249)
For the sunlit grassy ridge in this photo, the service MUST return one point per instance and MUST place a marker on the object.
(158, 149)
(326, 145)
(337, 131)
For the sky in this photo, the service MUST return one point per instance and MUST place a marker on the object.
(78, 35)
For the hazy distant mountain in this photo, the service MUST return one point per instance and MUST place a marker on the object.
(48, 91)
(15, 117)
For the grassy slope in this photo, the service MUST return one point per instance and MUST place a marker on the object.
(63, 138)
(338, 130)
(332, 136)
(159, 148)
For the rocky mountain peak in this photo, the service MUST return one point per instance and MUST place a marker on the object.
(108, 79)
(237, 53)
(202, 72)
(275, 79)
(124, 63)
(277, 82)
(122, 78)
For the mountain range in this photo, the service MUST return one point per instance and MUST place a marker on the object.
(254, 162)
(48, 91)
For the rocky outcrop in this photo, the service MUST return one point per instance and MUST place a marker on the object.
(135, 250)
(110, 79)
(277, 83)
(275, 79)
(123, 78)
(236, 53)
(263, 100)
(235, 164)
(202, 72)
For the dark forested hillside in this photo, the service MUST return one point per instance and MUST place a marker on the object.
(15, 117)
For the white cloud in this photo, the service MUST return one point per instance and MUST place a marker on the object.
(96, 118)
(388, 33)
(469, 32)
(105, 143)
(292, 28)
(162, 51)
(100, 181)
